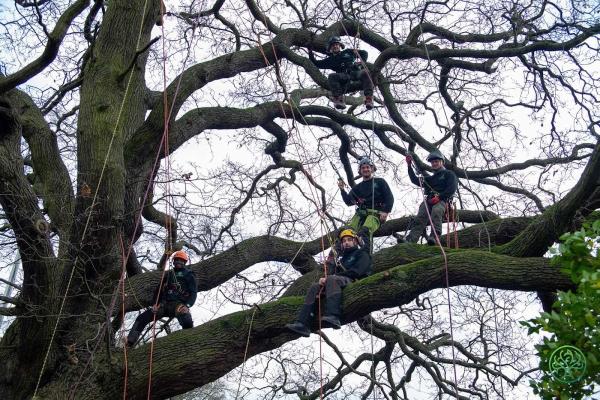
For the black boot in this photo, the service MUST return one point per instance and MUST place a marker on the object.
(299, 328)
(132, 337)
(338, 102)
(330, 321)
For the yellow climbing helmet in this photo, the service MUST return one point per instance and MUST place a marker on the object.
(348, 232)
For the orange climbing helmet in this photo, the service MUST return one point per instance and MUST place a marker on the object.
(182, 255)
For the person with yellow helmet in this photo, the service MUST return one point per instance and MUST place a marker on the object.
(173, 298)
(355, 263)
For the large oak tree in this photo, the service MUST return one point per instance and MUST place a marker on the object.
(508, 91)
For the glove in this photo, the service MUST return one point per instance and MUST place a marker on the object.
(432, 201)
(341, 183)
(181, 309)
(408, 159)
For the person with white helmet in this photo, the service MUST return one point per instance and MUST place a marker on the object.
(355, 263)
(439, 189)
(373, 199)
(348, 67)
(172, 299)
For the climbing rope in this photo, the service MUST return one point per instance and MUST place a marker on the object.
(307, 173)
(122, 285)
(447, 278)
(83, 234)
(168, 222)
(451, 232)
(246, 351)
(480, 214)
(373, 358)
(125, 257)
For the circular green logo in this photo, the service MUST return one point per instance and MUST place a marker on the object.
(567, 364)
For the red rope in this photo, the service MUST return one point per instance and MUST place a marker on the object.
(308, 174)
(136, 226)
(319, 313)
(122, 285)
(454, 225)
(168, 222)
(447, 278)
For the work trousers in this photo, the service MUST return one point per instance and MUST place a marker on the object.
(170, 309)
(421, 221)
(333, 298)
(365, 223)
(339, 81)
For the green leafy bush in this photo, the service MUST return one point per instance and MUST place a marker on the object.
(574, 321)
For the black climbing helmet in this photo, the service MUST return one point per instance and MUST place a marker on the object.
(365, 161)
(435, 155)
(332, 40)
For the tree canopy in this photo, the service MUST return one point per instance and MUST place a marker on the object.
(128, 128)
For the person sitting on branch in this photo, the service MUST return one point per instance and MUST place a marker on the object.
(439, 189)
(173, 298)
(355, 263)
(373, 200)
(348, 66)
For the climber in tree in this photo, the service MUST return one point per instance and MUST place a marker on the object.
(439, 189)
(373, 200)
(355, 263)
(348, 67)
(172, 299)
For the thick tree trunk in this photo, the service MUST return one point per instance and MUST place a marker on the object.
(111, 110)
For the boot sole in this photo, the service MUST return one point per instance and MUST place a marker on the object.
(326, 324)
(299, 332)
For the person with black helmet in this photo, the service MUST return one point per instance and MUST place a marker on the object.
(373, 200)
(173, 298)
(355, 263)
(348, 67)
(439, 189)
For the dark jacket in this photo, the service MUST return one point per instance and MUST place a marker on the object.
(363, 194)
(178, 285)
(344, 61)
(356, 263)
(443, 183)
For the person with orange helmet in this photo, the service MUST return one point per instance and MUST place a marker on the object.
(172, 298)
(355, 263)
